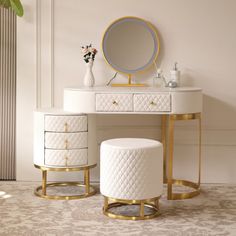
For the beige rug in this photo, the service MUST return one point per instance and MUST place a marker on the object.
(22, 213)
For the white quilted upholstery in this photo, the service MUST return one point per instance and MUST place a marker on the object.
(152, 102)
(66, 140)
(131, 169)
(65, 123)
(64, 158)
(114, 102)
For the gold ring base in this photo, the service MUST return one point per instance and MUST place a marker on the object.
(38, 191)
(168, 144)
(142, 203)
(41, 191)
(180, 196)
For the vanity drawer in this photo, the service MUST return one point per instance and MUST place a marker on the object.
(57, 123)
(66, 157)
(66, 140)
(152, 102)
(114, 102)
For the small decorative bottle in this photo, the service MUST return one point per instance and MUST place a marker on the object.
(159, 80)
(175, 75)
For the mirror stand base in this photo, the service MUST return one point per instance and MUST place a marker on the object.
(128, 85)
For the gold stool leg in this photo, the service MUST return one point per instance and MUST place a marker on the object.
(87, 181)
(141, 212)
(116, 203)
(105, 204)
(157, 203)
(44, 182)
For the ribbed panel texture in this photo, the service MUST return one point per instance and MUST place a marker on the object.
(7, 94)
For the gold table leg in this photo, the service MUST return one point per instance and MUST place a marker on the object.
(163, 140)
(170, 161)
(170, 180)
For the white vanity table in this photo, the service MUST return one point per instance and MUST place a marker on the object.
(183, 103)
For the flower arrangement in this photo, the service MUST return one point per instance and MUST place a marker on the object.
(88, 53)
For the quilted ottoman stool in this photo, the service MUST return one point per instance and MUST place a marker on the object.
(131, 174)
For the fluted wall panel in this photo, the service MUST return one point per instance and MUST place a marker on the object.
(7, 93)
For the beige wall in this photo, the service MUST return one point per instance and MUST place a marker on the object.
(199, 34)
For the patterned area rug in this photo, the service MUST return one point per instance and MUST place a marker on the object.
(21, 213)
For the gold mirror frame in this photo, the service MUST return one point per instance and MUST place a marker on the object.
(156, 40)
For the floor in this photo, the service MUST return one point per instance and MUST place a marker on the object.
(22, 213)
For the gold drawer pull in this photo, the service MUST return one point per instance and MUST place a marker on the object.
(153, 103)
(66, 127)
(66, 159)
(115, 103)
(66, 144)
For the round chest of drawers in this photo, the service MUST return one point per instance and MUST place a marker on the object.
(61, 144)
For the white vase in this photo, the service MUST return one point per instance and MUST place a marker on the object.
(89, 78)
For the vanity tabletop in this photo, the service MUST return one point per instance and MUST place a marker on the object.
(134, 89)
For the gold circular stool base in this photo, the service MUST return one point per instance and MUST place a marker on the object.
(41, 191)
(142, 203)
(186, 183)
(38, 191)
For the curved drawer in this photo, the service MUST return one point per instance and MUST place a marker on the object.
(75, 157)
(66, 140)
(152, 102)
(57, 123)
(114, 102)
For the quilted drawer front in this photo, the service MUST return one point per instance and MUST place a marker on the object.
(65, 123)
(152, 102)
(73, 157)
(114, 102)
(66, 140)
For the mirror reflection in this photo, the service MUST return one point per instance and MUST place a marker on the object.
(130, 45)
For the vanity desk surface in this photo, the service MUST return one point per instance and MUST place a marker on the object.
(133, 100)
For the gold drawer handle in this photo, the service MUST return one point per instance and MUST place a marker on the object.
(153, 103)
(66, 127)
(66, 159)
(115, 103)
(66, 144)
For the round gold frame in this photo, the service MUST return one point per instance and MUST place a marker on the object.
(147, 67)
(41, 191)
(121, 202)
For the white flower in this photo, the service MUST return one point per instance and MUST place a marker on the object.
(159, 71)
(88, 53)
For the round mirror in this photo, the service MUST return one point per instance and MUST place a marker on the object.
(130, 45)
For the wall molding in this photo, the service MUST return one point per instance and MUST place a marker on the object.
(38, 54)
(45, 82)
(52, 53)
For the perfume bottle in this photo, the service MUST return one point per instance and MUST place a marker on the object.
(175, 75)
(159, 80)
